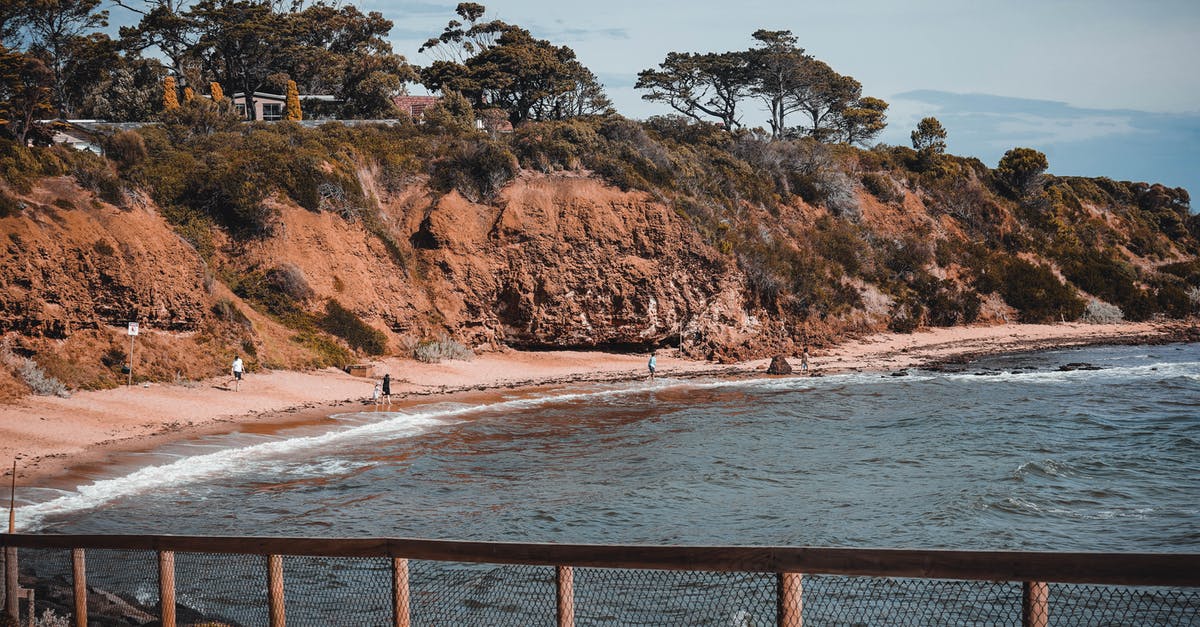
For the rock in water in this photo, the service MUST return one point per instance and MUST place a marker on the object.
(779, 365)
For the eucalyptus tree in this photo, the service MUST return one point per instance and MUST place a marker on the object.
(711, 84)
(57, 30)
(495, 64)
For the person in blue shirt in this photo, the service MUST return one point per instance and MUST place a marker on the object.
(652, 364)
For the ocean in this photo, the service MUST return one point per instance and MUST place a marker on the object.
(1093, 449)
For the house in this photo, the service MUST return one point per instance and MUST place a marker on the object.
(415, 106)
(74, 134)
(272, 107)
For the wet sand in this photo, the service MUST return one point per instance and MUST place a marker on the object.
(51, 436)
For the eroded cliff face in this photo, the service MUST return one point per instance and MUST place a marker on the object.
(72, 263)
(553, 262)
(567, 262)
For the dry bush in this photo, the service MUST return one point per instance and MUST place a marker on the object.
(1100, 312)
(28, 371)
(434, 351)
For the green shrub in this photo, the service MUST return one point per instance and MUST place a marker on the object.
(9, 206)
(882, 187)
(477, 169)
(126, 148)
(555, 145)
(1035, 292)
(347, 325)
(327, 351)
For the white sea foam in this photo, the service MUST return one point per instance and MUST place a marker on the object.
(271, 453)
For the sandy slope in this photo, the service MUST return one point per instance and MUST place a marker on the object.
(50, 435)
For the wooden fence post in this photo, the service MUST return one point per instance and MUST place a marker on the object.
(275, 590)
(565, 577)
(10, 582)
(400, 593)
(790, 599)
(1035, 604)
(79, 577)
(166, 587)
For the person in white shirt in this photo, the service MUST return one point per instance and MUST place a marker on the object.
(237, 373)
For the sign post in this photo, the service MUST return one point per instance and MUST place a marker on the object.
(133, 331)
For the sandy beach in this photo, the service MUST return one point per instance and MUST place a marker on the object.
(50, 435)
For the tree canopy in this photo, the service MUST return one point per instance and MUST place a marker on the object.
(781, 76)
(495, 64)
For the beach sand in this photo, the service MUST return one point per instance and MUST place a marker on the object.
(49, 435)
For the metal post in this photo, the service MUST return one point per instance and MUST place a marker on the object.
(10, 555)
(1035, 604)
(790, 599)
(79, 575)
(130, 382)
(565, 576)
(400, 593)
(275, 590)
(166, 587)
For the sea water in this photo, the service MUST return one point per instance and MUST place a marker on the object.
(1013, 452)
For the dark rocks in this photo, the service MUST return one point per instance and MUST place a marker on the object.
(1078, 366)
(779, 365)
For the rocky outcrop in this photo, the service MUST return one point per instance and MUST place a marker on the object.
(779, 365)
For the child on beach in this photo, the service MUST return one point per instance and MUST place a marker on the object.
(652, 365)
(375, 395)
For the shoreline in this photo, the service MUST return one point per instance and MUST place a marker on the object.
(60, 441)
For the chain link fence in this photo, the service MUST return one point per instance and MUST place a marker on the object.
(232, 590)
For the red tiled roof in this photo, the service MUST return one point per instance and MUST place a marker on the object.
(415, 106)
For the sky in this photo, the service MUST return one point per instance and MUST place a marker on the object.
(1103, 87)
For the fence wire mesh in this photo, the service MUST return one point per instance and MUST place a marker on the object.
(232, 590)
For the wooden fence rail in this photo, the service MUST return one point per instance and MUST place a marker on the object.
(1032, 569)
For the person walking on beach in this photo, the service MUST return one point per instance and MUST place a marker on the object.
(387, 388)
(375, 395)
(804, 360)
(237, 369)
(652, 364)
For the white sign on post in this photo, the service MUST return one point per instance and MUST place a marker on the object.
(133, 328)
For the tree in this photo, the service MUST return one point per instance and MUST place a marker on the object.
(862, 121)
(240, 43)
(694, 84)
(586, 98)
(26, 86)
(345, 52)
(131, 92)
(293, 103)
(823, 99)
(170, 99)
(90, 62)
(12, 19)
(929, 137)
(164, 26)
(495, 64)
(1021, 169)
(779, 69)
(55, 28)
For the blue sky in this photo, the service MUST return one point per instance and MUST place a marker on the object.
(1103, 87)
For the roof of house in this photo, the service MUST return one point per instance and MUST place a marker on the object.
(262, 95)
(415, 106)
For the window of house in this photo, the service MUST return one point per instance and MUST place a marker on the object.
(272, 111)
(241, 109)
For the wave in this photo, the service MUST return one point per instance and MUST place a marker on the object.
(268, 454)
